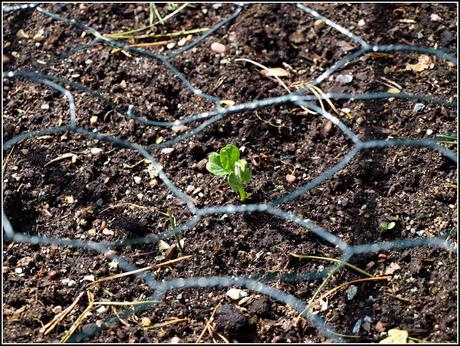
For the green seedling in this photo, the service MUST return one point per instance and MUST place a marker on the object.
(386, 226)
(446, 139)
(227, 163)
(172, 220)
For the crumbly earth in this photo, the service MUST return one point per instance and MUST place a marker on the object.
(109, 195)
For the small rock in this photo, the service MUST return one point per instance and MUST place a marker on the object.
(88, 278)
(39, 36)
(418, 107)
(182, 42)
(380, 327)
(175, 340)
(21, 34)
(290, 178)
(429, 132)
(351, 292)
(145, 322)
(101, 309)
(218, 47)
(93, 120)
(57, 309)
(344, 79)
(180, 128)
(106, 231)
(393, 267)
(95, 151)
(236, 293)
(92, 232)
(137, 180)
(45, 106)
(319, 24)
(167, 150)
(435, 17)
(189, 188)
(68, 282)
(357, 326)
(171, 45)
(6, 59)
(361, 22)
(18, 270)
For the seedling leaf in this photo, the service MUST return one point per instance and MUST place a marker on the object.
(228, 156)
(234, 183)
(214, 165)
(242, 171)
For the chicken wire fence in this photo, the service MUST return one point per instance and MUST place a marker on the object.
(300, 97)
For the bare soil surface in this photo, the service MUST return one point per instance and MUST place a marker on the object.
(109, 195)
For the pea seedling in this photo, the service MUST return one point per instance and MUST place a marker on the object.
(227, 163)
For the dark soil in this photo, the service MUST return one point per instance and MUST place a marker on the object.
(96, 198)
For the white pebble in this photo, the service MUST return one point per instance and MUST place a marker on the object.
(236, 293)
(167, 150)
(106, 231)
(95, 151)
(218, 47)
(137, 180)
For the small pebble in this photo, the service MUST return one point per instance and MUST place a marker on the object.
(429, 132)
(351, 292)
(418, 107)
(435, 17)
(95, 151)
(6, 59)
(319, 24)
(171, 45)
(167, 151)
(88, 278)
(145, 322)
(290, 178)
(101, 309)
(137, 180)
(361, 22)
(182, 42)
(18, 270)
(21, 34)
(344, 78)
(180, 128)
(38, 37)
(218, 47)
(236, 293)
(106, 231)
(93, 120)
(57, 309)
(45, 106)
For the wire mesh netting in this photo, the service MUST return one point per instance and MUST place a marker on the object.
(190, 125)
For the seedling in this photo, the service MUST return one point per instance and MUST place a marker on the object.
(227, 163)
(447, 139)
(172, 220)
(386, 226)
